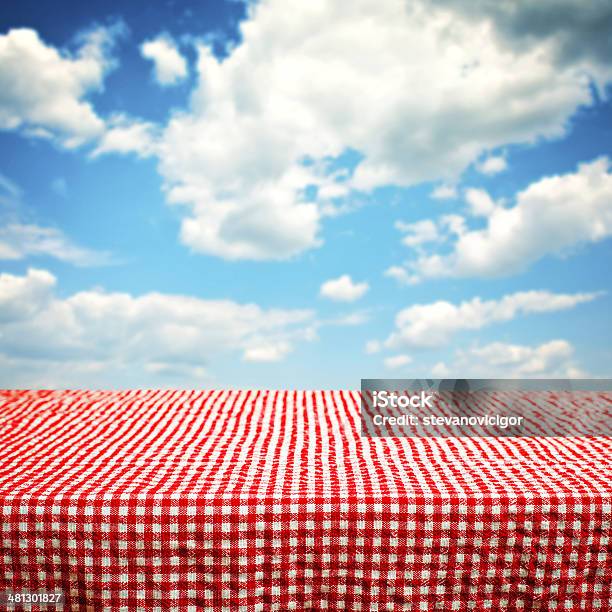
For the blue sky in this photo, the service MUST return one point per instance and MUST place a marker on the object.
(221, 194)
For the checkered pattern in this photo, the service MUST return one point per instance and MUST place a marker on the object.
(257, 500)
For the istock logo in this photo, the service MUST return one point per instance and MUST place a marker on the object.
(384, 399)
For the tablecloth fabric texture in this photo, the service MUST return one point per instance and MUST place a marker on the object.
(261, 500)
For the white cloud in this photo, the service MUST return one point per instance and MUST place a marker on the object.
(554, 359)
(89, 336)
(427, 232)
(397, 361)
(343, 289)
(44, 90)
(480, 202)
(264, 122)
(23, 297)
(268, 353)
(125, 135)
(235, 157)
(441, 370)
(373, 346)
(418, 233)
(434, 325)
(399, 274)
(19, 240)
(169, 66)
(444, 192)
(492, 165)
(550, 217)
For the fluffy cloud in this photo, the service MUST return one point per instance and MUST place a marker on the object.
(550, 217)
(268, 353)
(492, 165)
(575, 31)
(343, 289)
(554, 359)
(418, 236)
(434, 325)
(310, 81)
(399, 274)
(418, 233)
(479, 202)
(124, 134)
(373, 346)
(169, 66)
(397, 361)
(444, 192)
(97, 334)
(44, 90)
(23, 297)
(264, 122)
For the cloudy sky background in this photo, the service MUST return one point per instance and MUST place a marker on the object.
(290, 194)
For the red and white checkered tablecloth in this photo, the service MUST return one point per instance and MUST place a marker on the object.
(257, 500)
